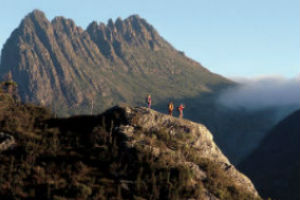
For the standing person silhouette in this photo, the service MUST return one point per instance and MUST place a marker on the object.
(171, 108)
(180, 109)
(148, 101)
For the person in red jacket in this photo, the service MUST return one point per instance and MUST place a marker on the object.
(180, 109)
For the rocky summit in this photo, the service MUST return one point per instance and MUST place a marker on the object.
(124, 153)
(181, 137)
(58, 64)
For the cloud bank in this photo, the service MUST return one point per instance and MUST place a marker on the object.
(261, 92)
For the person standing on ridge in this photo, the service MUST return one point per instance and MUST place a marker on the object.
(171, 107)
(180, 109)
(148, 101)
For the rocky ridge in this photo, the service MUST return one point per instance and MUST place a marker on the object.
(60, 65)
(181, 134)
(124, 153)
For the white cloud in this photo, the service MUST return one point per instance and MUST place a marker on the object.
(261, 92)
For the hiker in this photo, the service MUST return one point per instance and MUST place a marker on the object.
(171, 107)
(180, 109)
(148, 101)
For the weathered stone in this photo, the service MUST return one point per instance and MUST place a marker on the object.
(190, 134)
(7, 141)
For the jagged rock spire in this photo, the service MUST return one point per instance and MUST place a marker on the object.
(61, 65)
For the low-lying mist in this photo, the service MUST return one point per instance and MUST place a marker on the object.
(263, 92)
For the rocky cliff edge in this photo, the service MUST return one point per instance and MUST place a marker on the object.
(124, 153)
(178, 142)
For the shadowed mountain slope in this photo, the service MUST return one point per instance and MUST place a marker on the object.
(274, 166)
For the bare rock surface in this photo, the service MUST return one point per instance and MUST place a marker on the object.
(144, 127)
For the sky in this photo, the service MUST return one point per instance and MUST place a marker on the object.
(234, 38)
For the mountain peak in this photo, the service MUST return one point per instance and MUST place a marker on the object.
(136, 21)
(64, 24)
(68, 66)
(58, 19)
(33, 20)
(37, 15)
(134, 17)
(110, 23)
